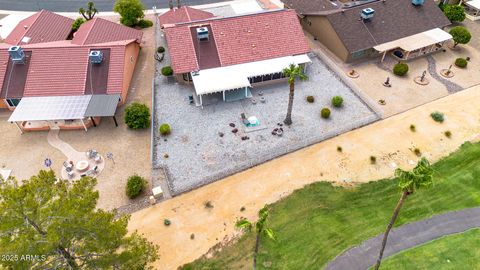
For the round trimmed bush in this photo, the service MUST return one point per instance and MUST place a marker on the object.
(325, 113)
(461, 62)
(310, 99)
(135, 186)
(137, 116)
(161, 49)
(400, 69)
(165, 129)
(144, 23)
(438, 117)
(167, 71)
(337, 101)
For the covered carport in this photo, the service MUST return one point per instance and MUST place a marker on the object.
(75, 109)
(415, 45)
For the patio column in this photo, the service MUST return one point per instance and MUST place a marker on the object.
(84, 127)
(246, 91)
(115, 120)
(384, 54)
(408, 54)
(93, 122)
(201, 102)
(223, 95)
(19, 128)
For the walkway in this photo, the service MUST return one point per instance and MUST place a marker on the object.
(407, 236)
(432, 70)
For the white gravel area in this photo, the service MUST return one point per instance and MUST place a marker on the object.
(198, 155)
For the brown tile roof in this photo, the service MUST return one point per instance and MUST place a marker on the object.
(393, 19)
(240, 39)
(99, 30)
(43, 26)
(309, 6)
(182, 15)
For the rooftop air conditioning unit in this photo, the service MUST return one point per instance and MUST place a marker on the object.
(16, 54)
(96, 57)
(418, 2)
(202, 33)
(367, 13)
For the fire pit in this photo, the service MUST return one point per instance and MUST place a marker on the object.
(82, 165)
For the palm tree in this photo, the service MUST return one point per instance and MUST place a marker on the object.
(261, 228)
(293, 72)
(409, 182)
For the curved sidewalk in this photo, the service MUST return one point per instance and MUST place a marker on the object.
(406, 236)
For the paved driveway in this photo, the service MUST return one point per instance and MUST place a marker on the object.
(74, 5)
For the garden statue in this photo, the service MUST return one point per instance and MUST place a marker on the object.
(423, 75)
(387, 83)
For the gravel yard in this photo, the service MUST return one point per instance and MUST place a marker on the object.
(202, 147)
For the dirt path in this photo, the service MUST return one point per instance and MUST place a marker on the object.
(390, 140)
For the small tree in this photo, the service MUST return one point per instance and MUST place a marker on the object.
(90, 12)
(59, 221)
(292, 73)
(420, 177)
(137, 116)
(460, 35)
(131, 11)
(400, 69)
(261, 228)
(455, 13)
(76, 24)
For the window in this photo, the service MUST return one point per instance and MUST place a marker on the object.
(13, 102)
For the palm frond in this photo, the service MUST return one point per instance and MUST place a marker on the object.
(243, 224)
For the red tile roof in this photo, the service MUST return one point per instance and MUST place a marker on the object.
(43, 26)
(99, 30)
(59, 67)
(182, 15)
(240, 39)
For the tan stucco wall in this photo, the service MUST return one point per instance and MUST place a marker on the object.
(131, 53)
(320, 28)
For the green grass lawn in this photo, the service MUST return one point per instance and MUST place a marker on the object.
(458, 251)
(319, 222)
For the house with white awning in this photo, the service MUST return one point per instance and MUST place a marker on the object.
(225, 57)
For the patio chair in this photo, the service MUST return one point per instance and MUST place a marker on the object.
(71, 174)
(98, 158)
(191, 100)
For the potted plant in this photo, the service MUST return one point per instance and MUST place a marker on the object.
(167, 71)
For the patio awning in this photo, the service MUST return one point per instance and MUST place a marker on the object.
(416, 41)
(474, 4)
(64, 107)
(233, 77)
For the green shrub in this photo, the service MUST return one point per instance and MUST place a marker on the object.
(413, 128)
(167, 71)
(339, 149)
(144, 23)
(438, 117)
(131, 11)
(325, 113)
(135, 185)
(76, 24)
(208, 204)
(417, 152)
(400, 69)
(448, 134)
(137, 116)
(373, 159)
(167, 222)
(460, 35)
(165, 129)
(310, 99)
(455, 13)
(337, 101)
(161, 49)
(461, 62)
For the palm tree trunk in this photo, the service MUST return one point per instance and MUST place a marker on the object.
(257, 244)
(389, 227)
(288, 119)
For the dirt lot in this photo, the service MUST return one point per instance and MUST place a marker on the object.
(131, 149)
(390, 140)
